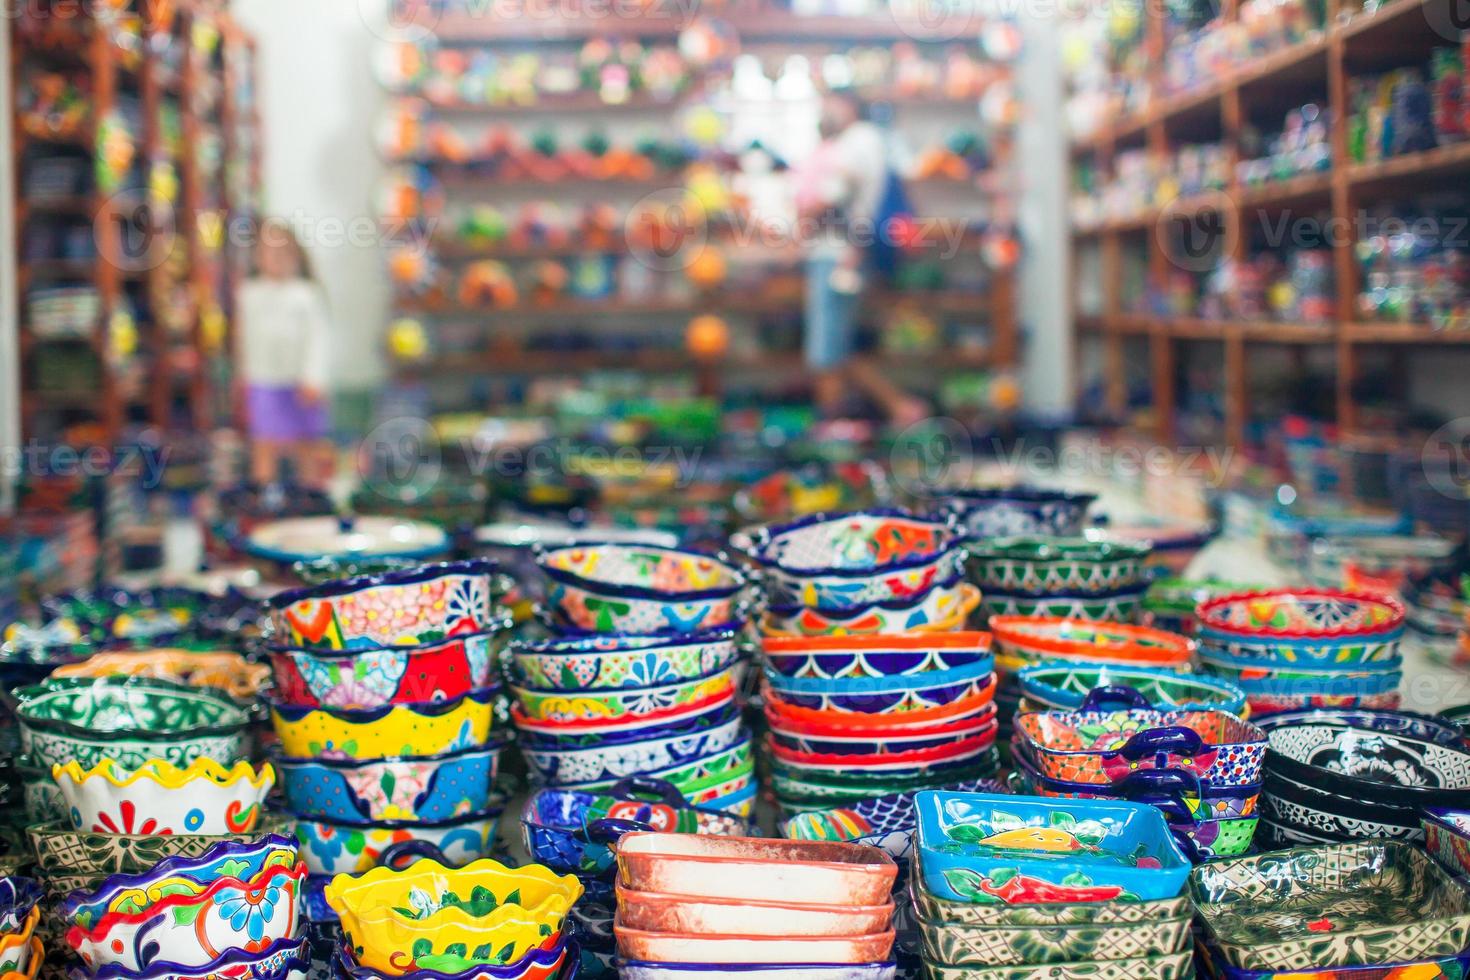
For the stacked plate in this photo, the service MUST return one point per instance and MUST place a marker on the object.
(862, 716)
(1169, 603)
(1024, 888)
(1067, 687)
(1358, 910)
(1075, 578)
(1201, 768)
(1340, 775)
(1305, 648)
(695, 906)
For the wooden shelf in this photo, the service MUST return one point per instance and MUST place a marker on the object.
(514, 361)
(1404, 333)
(1405, 171)
(768, 26)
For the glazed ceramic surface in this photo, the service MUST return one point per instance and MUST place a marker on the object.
(484, 912)
(1184, 797)
(1169, 604)
(120, 615)
(600, 662)
(1008, 511)
(1425, 728)
(396, 608)
(888, 655)
(279, 544)
(1067, 687)
(128, 720)
(949, 944)
(1313, 615)
(429, 789)
(992, 849)
(158, 798)
(330, 849)
(1371, 765)
(882, 540)
(227, 671)
(808, 872)
(431, 728)
(1101, 746)
(658, 912)
(59, 848)
(18, 897)
(435, 670)
(938, 603)
(612, 588)
(1034, 640)
(576, 705)
(1378, 901)
(1440, 968)
(589, 763)
(1174, 966)
(873, 816)
(288, 959)
(1064, 565)
(1291, 815)
(1120, 606)
(861, 742)
(1447, 838)
(687, 948)
(643, 970)
(544, 963)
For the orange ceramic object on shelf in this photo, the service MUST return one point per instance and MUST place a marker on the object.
(1025, 640)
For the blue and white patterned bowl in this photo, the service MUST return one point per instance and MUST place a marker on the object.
(657, 749)
(875, 656)
(875, 695)
(425, 789)
(596, 661)
(996, 512)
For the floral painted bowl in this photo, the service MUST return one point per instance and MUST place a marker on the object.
(407, 607)
(334, 849)
(597, 661)
(221, 669)
(813, 488)
(1083, 687)
(61, 849)
(1425, 728)
(421, 789)
(1314, 617)
(130, 720)
(392, 919)
(1352, 681)
(203, 798)
(884, 696)
(701, 773)
(428, 728)
(1101, 746)
(797, 719)
(677, 717)
(887, 655)
(1027, 640)
(996, 512)
(435, 670)
(658, 750)
(274, 547)
(940, 603)
(546, 962)
(1119, 606)
(576, 705)
(1071, 566)
(615, 588)
(286, 959)
(981, 848)
(862, 742)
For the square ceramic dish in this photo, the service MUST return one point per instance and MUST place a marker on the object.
(1025, 849)
(951, 945)
(1338, 904)
(1447, 838)
(1213, 965)
(1176, 966)
(1101, 746)
(758, 869)
(934, 909)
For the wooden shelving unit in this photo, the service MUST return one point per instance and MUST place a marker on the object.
(1398, 33)
(154, 346)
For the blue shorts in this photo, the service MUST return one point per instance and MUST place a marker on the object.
(831, 316)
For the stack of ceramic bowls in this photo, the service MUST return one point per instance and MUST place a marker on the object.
(232, 911)
(873, 571)
(1074, 578)
(1066, 687)
(1028, 641)
(998, 512)
(1201, 768)
(386, 689)
(1376, 562)
(1169, 604)
(634, 588)
(1343, 774)
(483, 920)
(592, 710)
(1304, 648)
(691, 906)
(21, 951)
(861, 716)
(572, 832)
(1447, 838)
(514, 544)
(1359, 910)
(1028, 887)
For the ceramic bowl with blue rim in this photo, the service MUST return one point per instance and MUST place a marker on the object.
(979, 847)
(556, 738)
(557, 961)
(939, 602)
(1426, 728)
(17, 897)
(713, 768)
(333, 848)
(1080, 565)
(598, 661)
(641, 588)
(879, 695)
(643, 970)
(659, 749)
(873, 815)
(1309, 615)
(1182, 795)
(861, 742)
(997, 512)
(886, 655)
(428, 789)
(1343, 654)
(285, 959)
(1115, 606)
(978, 668)
(419, 728)
(1374, 767)
(274, 547)
(1355, 681)
(1067, 687)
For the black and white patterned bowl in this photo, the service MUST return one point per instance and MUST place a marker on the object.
(1376, 767)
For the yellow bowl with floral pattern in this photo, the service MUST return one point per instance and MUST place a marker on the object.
(158, 797)
(198, 668)
(387, 731)
(483, 912)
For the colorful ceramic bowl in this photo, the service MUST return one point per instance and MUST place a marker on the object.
(429, 728)
(1070, 566)
(576, 705)
(60, 849)
(1314, 617)
(424, 789)
(287, 959)
(1376, 562)
(874, 656)
(689, 716)
(1173, 545)
(598, 662)
(556, 961)
(810, 721)
(939, 603)
(754, 869)
(870, 817)
(863, 742)
(981, 848)
(130, 720)
(1169, 604)
(664, 913)
(912, 762)
(884, 695)
(435, 670)
(1183, 796)
(120, 616)
(1350, 681)
(399, 608)
(159, 798)
(996, 512)
(1027, 640)
(704, 773)
(332, 849)
(221, 669)
(953, 945)
(813, 488)
(598, 763)
(1425, 728)
(1447, 838)
(1086, 687)
(1120, 606)
(18, 897)
(646, 970)
(1102, 746)
(1372, 766)
(274, 547)
(392, 919)
(615, 588)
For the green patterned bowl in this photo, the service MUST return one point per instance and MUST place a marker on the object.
(1071, 566)
(61, 850)
(947, 944)
(128, 719)
(1175, 966)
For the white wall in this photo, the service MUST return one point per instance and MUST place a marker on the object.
(9, 288)
(319, 103)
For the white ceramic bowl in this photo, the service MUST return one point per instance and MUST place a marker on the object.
(160, 798)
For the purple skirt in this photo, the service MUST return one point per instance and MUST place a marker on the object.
(279, 414)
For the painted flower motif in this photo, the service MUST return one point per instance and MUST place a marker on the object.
(127, 822)
(250, 909)
(651, 669)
